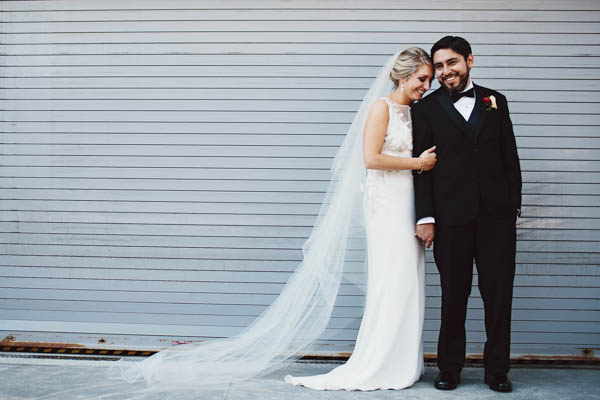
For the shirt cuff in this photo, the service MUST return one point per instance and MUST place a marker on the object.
(426, 220)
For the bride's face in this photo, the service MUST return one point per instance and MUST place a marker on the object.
(419, 82)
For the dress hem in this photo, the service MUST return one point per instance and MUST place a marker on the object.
(290, 379)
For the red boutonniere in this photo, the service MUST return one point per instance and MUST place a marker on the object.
(490, 103)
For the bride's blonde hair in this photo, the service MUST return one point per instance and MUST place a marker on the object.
(407, 63)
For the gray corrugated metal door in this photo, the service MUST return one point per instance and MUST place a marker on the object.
(162, 162)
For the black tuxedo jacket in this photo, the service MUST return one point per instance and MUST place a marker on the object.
(477, 163)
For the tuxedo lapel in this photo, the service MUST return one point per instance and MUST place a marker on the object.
(479, 113)
(444, 99)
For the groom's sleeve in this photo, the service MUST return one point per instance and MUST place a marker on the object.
(510, 157)
(422, 140)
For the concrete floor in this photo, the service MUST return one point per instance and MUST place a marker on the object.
(24, 377)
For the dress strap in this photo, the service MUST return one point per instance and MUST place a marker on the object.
(397, 110)
(392, 110)
(395, 107)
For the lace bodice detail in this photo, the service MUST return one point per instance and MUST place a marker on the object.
(398, 137)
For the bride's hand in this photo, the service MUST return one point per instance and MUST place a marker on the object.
(429, 159)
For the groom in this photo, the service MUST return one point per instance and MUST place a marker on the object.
(469, 202)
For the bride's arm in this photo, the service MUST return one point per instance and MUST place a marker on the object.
(373, 138)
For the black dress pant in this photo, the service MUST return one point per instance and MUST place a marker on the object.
(491, 242)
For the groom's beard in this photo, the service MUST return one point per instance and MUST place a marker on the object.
(462, 83)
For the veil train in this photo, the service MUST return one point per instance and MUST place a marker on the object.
(301, 312)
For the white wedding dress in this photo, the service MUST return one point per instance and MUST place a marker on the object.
(388, 352)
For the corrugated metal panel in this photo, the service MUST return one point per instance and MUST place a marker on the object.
(163, 162)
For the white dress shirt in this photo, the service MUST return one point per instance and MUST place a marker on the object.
(464, 106)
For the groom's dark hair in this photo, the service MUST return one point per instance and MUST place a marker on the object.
(456, 43)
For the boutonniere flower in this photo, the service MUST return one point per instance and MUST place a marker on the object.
(490, 103)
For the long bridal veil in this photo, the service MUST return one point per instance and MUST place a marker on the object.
(333, 258)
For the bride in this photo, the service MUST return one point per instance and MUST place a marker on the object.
(388, 351)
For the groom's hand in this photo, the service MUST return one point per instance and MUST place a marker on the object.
(426, 233)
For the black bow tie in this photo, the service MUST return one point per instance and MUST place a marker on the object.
(454, 97)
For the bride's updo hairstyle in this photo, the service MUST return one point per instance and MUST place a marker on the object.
(407, 63)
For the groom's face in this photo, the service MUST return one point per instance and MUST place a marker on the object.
(451, 69)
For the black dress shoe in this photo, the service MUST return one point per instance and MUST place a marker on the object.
(446, 381)
(499, 383)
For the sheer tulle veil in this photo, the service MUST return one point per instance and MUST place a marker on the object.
(333, 268)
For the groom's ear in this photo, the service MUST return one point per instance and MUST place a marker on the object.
(470, 61)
